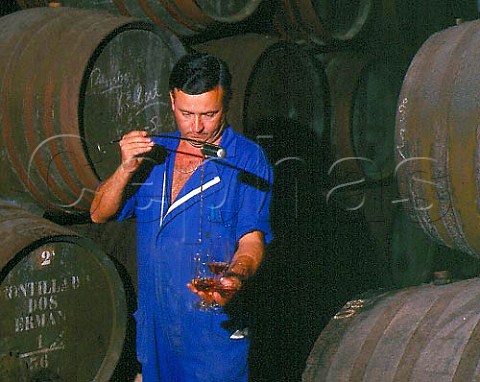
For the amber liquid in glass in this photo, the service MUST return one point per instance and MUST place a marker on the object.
(217, 267)
(205, 284)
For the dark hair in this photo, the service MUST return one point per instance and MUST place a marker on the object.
(198, 73)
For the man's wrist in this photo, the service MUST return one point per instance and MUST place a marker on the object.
(237, 270)
(234, 274)
(237, 280)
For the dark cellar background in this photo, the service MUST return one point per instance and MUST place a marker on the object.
(335, 237)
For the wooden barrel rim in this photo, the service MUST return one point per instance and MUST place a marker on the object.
(342, 91)
(303, 16)
(247, 11)
(188, 14)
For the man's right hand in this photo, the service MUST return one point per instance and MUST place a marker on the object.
(109, 195)
(133, 146)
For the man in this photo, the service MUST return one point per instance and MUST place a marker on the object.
(184, 202)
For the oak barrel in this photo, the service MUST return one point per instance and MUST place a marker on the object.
(185, 18)
(414, 257)
(437, 149)
(376, 25)
(400, 254)
(411, 253)
(323, 22)
(63, 303)
(73, 80)
(272, 81)
(364, 92)
(427, 333)
(404, 255)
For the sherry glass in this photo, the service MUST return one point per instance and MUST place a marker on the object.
(203, 279)
(209, 266)
(222, 252)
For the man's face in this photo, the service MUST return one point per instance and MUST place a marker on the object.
(201, 116)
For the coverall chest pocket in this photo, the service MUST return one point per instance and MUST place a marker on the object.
(225, 217)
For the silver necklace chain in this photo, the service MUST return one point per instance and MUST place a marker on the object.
(186, 171)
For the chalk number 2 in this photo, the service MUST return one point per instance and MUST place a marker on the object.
(47, 257)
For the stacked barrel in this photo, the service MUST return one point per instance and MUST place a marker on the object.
(366, 110)
(72, 81)
(63, 303)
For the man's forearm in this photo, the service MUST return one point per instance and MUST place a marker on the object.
(109, 196)
(248, 256)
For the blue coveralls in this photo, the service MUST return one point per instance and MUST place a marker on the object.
(175, 342)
